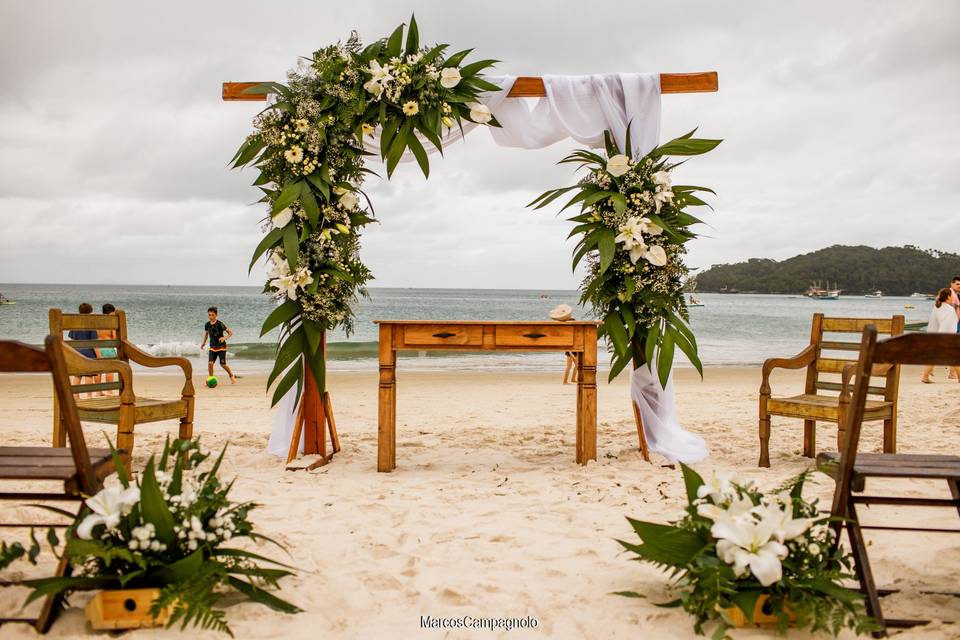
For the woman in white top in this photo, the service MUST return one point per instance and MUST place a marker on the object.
(943, 319)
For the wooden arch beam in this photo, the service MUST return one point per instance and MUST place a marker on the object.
(528, 86)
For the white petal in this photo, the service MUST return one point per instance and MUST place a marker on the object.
(85, 528)
(766, 567)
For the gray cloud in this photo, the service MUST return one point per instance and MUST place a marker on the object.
(839, 122)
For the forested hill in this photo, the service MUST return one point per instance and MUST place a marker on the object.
(897, 271)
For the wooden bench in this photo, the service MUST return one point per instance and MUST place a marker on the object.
(826, 395)
(126, 410)
(852, 470)
(80, 471)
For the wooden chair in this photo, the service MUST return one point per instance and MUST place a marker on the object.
(81, 470)
(813, 404)
(126, 409)
(851, 470)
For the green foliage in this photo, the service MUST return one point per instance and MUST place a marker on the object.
(632, 228)
(897, 271)
(173, 536)
(309, 148)
(709, 582)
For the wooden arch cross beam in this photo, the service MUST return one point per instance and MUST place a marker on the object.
(528, 86)
(315, 416)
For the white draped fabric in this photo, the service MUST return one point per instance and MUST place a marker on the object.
(581, 108)
(660, 423)
(578, 107)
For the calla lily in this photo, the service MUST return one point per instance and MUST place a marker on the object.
(349, 200)
(656, 255)
(282, 218)
(449, 77)
(108, 507)
(480, 112)
(618, 165)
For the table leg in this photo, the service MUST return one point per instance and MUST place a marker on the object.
(587, 397)
(387, 418)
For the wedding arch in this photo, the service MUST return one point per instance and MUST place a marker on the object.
(402, 101)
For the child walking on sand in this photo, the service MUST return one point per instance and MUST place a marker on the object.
(217, 332)
(943, 319)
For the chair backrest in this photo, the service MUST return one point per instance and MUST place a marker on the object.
(61, 323)
(832, 353)
(16, 357)
(912, 348)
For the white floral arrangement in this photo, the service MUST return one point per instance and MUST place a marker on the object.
(309, 147)
(632, 231)
(170, 532)
(737, 544)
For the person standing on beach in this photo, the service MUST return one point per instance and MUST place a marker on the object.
(218, 333)
(86, 352)
(943, 319)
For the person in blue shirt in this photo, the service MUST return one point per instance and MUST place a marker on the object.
(84, 334)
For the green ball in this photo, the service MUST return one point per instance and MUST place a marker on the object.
(212, 381)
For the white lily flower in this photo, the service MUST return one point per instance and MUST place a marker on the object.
(720, 487)
(480, 112)
(618, 165)
(374, 87)
(282, 218)
(662, 178)
(747, 543)
(108, 507)
(287, 284)
(348, 199)
(450, 77)
(380, 74)
(662, 197)
(786, 527)
(278, 267)
(737, 508)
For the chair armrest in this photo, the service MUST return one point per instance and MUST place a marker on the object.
(803, 359)
(145, 359)
(79, 364)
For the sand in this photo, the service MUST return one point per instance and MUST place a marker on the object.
(487, 515)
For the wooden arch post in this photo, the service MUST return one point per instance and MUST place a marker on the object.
(315, 412)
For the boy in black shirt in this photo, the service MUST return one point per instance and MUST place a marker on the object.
(218, 333)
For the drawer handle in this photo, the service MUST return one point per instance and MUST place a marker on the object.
(534, 335)
(444, 334)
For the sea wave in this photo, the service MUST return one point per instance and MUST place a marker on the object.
(262, 350)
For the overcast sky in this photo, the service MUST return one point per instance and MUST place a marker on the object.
(840, 122)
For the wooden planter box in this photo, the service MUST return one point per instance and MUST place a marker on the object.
(125, 609)
(762, 616)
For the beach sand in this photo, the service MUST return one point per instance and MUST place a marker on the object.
(487, 514)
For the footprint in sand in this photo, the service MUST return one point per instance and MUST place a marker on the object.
(450, 596)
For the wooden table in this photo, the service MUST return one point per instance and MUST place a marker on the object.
(578, 338)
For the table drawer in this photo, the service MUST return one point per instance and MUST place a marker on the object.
(431, 334)
(546, 335)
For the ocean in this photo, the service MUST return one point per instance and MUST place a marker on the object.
(732, 330)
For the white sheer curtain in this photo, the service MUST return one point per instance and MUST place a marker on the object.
(581, 108)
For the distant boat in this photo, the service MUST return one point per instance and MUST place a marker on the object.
(725, 289)
(5, 300)
(875, 294)
(918, 295)
(694, 302)
(816, 292)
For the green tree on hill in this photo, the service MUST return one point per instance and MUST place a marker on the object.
(897, 271)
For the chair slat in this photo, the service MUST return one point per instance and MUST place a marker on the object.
(96, 386)
(856, 325)
(833, 365)
(93, 344)
(81, 321)
(828, 345)
(836, 386)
